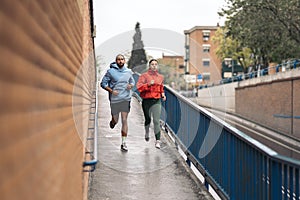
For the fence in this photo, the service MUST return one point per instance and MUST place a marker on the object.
(235, 165)
(289, 65)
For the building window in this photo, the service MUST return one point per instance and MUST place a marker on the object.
(206, 48)
(206, 76)
(205, 62)
(228, 61)
(206, 34)
(187, 52)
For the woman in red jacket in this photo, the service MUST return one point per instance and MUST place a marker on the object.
(151, 88)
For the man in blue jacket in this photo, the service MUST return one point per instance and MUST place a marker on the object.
(118, 81)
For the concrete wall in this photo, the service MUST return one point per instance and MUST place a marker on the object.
(46, 78)
(221, 97)
(272, 101)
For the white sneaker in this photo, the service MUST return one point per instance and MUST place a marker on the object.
(124, 147)
(157, 144)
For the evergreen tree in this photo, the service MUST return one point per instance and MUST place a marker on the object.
(138, 60)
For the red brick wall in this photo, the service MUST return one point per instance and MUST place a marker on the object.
(43, 52)
(272, 104)
(296, 107)
(175, 62)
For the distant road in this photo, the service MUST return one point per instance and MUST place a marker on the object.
(282, 144)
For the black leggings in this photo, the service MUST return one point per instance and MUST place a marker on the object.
(152, 107)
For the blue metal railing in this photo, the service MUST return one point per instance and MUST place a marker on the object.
(290, 65)
(136, 93)
(235, 165)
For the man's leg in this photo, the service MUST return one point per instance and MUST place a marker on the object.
(124, 130)
(114, 115)
(114, 120)
(124, 116)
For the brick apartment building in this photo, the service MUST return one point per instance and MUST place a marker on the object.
(177, 64)
(174, 61)
(201, 60)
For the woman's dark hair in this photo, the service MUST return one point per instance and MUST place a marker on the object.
(152, 61)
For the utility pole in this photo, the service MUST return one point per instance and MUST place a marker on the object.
(232, 68)
(177, 74)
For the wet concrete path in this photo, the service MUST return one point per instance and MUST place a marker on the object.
(144, 172)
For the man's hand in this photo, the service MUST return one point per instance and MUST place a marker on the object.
(115, 92)
(129, 86)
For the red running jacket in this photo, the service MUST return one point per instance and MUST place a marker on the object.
(150, 91)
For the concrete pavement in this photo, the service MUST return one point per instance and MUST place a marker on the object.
(143, 172)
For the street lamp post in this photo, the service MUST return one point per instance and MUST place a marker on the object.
(177, 76)
(232, 68)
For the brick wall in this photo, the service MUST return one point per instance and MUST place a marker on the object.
(274, 103)
(296, 108)
(46, 80)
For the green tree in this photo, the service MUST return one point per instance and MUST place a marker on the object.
(227, 47)
(270, 28)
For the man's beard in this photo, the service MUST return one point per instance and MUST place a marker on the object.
(120, 65)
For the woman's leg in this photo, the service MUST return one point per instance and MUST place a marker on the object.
(156, 112)
(146, 104)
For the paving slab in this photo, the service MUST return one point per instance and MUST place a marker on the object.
(144, 172)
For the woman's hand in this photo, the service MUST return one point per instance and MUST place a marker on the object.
(164, 98)
(151, 83)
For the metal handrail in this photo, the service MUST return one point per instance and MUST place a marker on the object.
(290, 65)
(94, 161)
(268, 174)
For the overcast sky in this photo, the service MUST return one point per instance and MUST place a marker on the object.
(116, 17)
(113, 17)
